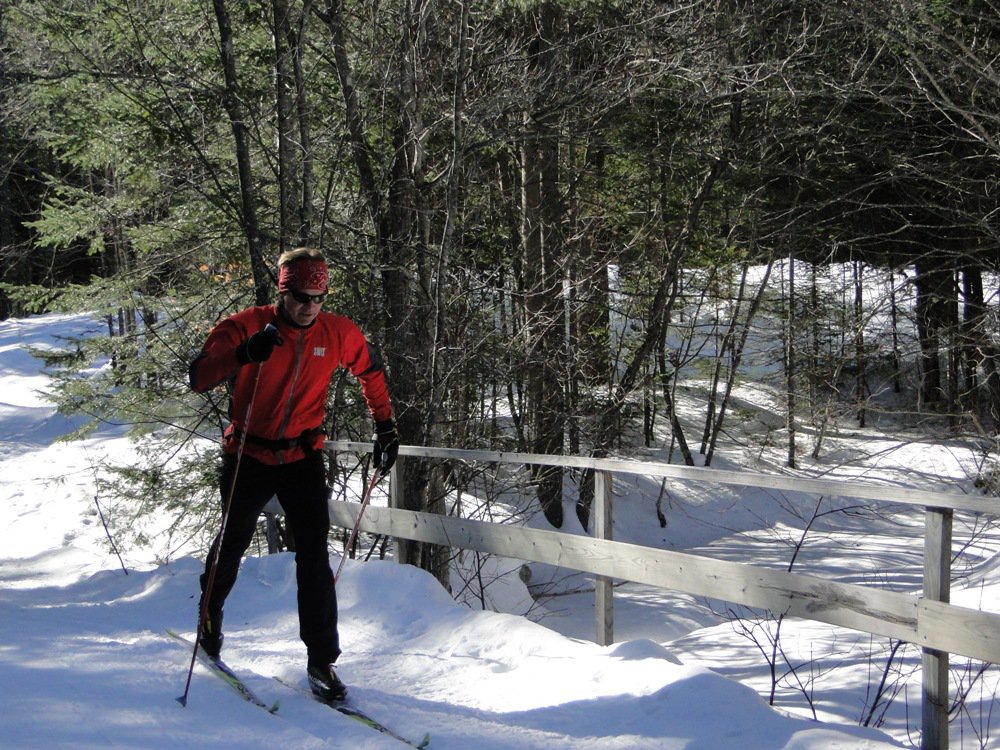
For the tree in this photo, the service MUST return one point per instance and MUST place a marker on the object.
(544, 263)
(232, 100)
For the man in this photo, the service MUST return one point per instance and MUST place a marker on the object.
(279, 360)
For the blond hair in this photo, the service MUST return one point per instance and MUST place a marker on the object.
(290, 256)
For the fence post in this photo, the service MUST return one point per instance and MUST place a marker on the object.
(396, 499)
(604, 608)
(937, 586)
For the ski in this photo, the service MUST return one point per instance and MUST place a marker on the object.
(360, 716)
(221, 670)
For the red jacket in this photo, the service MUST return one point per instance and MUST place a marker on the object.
(292, 389)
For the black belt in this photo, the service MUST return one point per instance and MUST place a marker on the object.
(305, 440)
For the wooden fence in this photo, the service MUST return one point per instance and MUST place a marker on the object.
(930, 621)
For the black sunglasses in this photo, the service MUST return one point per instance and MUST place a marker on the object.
(304, 299)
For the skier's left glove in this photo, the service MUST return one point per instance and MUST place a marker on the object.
(386, 446)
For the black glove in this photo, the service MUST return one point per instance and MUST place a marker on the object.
(386, 446)
(259, 346)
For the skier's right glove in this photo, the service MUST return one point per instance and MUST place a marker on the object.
(258, 347)
(386, 446)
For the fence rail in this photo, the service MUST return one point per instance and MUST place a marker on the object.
(928, 620)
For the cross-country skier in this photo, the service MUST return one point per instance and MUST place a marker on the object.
(279, 360)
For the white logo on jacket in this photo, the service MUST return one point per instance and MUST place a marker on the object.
(319, 351)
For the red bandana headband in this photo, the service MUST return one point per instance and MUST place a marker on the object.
(305, 273)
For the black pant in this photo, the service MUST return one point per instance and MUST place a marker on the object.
(302, 492)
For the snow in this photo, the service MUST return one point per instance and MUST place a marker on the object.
(85, 661)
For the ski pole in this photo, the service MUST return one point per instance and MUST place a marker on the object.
(206, 595)
(357, 524)
(107, 532)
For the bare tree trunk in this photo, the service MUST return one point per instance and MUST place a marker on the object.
(364, 157)
(589, 258)
(860, 358)
(438, 281)
(247, 210)
(790, 365)
(897, 386)
(979, 348)
(543, 267)
(436, 558)
(972, 293)
(295, 169)
(737, 347)
(953, 347)
(928, 330)
(6, 222)
(669, 383)
(296, 42)
(285, 99)
(657, 315)
(713, 388)
(401, 230)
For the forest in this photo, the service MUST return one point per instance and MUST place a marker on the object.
(549, 216)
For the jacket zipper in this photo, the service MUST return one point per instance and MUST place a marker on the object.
(286, 417)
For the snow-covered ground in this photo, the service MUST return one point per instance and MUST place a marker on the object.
(85, 662)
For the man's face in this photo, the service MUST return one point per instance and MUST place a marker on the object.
(303, 305)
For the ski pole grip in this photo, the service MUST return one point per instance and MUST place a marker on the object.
(272, 330)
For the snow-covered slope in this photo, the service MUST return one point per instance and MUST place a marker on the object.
(85, 662)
